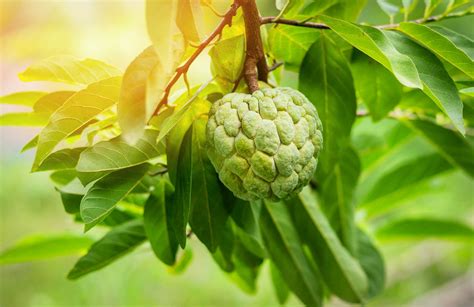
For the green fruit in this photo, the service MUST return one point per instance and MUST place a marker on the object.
(264, 145)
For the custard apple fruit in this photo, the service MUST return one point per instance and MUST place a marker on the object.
(265, 144)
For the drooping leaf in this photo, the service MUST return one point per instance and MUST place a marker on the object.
(462, 42)
(372, 263)
(24, 119)
(22, 98)
(325, 78)
(223, 255)
(453, 146)
(279, 284)
(440, 45)
(51, 102)
(246, 268)
(117, 154)
(341, 272)
(423, 228)
(189, 19)
(379, 89)
(68, 69)
(376, 44)
(183, 262)
(104, 194)
(183, 189)
(157, 220)
(76, 112)
(246, 216)
(437, 83)
(44, 247)
(208, 214)
(290, 44)
(286, 251)
(337, 196)
(115, 244)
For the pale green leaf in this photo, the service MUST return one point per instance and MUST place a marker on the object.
(440, 45)
(189, 19)
(75, 113)
(104, 194)
(22, 98)
(68, 69)
(117, 154)
(24, 119)
(115, 244)
(62, 159)
(45, 247)
(227, 58)
(376, 44)
(51, 102)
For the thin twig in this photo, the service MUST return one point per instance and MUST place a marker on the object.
(322, 26)
(275, 66)
(183, 69)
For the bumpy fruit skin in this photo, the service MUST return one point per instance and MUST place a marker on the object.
(264, 145)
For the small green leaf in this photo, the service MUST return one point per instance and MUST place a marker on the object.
(379, 90)
(115, 244)
(74, 114)
(68, 69)
(453, 146)
(376, 44)
(227, 58)
(341, 272)
(286, 251)
(22, 98)
(439, 44)
(413, 228)
(157, 220)
(104, 194)
(45, 247)
(24, 119)
(117, 154)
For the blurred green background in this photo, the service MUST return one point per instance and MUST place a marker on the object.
(420, 273)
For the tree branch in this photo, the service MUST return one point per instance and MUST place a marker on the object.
(322, 26)
(255, 66)
(183, 69)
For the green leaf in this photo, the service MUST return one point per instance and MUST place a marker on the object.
(389, 8)
(413, 228)
(430, 6)
(157, 220)
(372, 263)
(115, 244)
(246, 216)
(24, 119)
(279, 284)
(404, 176)
(227, 58)
(183, 262)
(189, 19)
(379, 89)
(183, 189)
(62, 159)
(439, 44)
(208, 213)
(286, 251)
(341, 272)
(45, 247)
(74, 114)
(346, 9)
(437, 83)
(337, 196)
(22, 98)
(290, 44)
(468, 91)
(376, 44)
(104, 194)
(51, 102)
(133, 111)
(453, 146)
(462, 42)
(246, 268)
(68, 69)
(117, 154)
(223, 255)
(326, 80)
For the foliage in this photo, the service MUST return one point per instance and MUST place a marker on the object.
(125, 160)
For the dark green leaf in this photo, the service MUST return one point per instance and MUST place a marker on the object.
(104, 194)
(372, 263)
(115, 244)
(286, 251)
(156, 218)
(279, 284)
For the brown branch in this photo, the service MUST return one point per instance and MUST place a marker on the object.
(183, 69)
(255, 66)
(322, 26)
